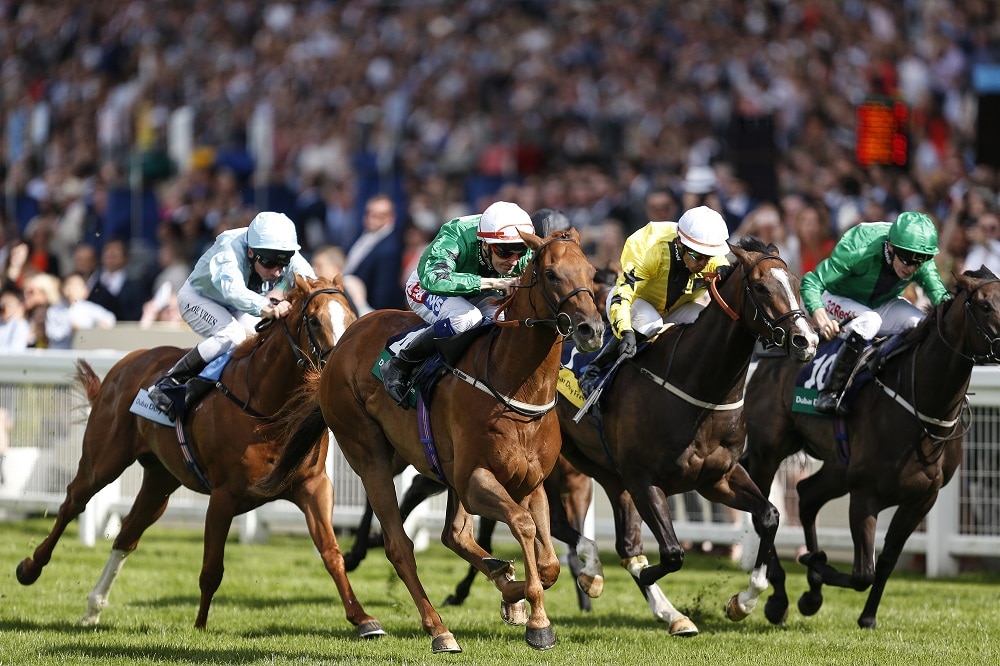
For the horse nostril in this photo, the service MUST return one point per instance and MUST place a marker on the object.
(800, 342)
(585, 330)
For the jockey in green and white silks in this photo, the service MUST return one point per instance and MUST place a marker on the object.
(863, 279)
(469, 260)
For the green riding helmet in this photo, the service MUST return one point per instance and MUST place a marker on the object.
(914, 232)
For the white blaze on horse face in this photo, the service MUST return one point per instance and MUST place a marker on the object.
(781, 275)
(338, 315)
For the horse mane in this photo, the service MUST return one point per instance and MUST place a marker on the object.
(754, 244)
(246, 347)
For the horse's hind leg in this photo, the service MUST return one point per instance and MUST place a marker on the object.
(359, 550)
(569, 494)
(103, 460)
(315, 497)
(150, 502)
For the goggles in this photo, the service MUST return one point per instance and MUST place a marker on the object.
(270, 263)
(908, 258)
(696, 257)
(506, 251)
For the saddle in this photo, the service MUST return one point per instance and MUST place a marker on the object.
(450, 347)
(185, 396)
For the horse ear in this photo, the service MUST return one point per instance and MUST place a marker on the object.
(338, 282)
(530, 239)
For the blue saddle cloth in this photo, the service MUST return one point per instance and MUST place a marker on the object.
(812, 378)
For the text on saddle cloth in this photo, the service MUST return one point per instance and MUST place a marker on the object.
(143, 406)
(815, 374)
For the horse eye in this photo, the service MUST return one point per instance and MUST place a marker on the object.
(985, 307)
(761, 289)
(551, 275)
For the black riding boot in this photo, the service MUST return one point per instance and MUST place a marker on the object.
(604, 358)
(396, 371)
(828, 400)
(189, 366)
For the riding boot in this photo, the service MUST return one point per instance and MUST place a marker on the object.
(828, 400)
(189, 366)
(396, 371)
(604, 358)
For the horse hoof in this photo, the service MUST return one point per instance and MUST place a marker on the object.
(25, 578)
(775, 611)
(370, 629)
(445, 643)
(89, 620)
(540, 639)
(683, 627)
(810, 603)
(733, 610)
(452, 600)
(592, 586)
(514, 614)
(866, 622)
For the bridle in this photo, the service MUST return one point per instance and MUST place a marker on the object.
(317, 354)
(994, 342)
(778, 336)
(560, 321)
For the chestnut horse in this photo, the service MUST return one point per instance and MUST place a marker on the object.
(491, 417)
(673, 422)
(566, 485)
(229, 448)
(904, 440)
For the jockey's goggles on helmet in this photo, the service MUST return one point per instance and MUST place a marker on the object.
(508, 250)
(908, 258)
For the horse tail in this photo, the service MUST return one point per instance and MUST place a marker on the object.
(301, 425)
(88, 380)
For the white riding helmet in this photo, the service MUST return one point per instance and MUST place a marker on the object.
(501, 221)
(703, 230)
(272, 234)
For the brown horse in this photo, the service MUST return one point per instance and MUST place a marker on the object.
(229, 448)
(672, 421)
(904, 435)
(495, 433)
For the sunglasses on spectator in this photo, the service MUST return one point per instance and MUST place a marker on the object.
(508, 251)
(269, 263)
(908, 258)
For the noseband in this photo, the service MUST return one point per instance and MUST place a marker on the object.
(560, 321)
(778, 336)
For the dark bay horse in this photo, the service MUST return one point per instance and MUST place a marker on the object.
(494, 430)
(672, 421)
(904, 434)
(566, 485)
(230, 448)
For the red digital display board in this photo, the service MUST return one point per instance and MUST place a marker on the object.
(881, 132)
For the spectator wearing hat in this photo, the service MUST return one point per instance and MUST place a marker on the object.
(700, 188)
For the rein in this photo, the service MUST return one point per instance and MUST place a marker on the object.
(316, 360)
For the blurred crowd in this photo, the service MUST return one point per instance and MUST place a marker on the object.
(136, 131)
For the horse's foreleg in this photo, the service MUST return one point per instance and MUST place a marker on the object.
(737, 491)
(814, 492)
(314, 496)
(150, 503)
(486, 496)
(903, 523)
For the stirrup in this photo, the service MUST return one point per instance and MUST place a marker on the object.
(162, 401)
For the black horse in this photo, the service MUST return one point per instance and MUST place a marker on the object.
(904, 438)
